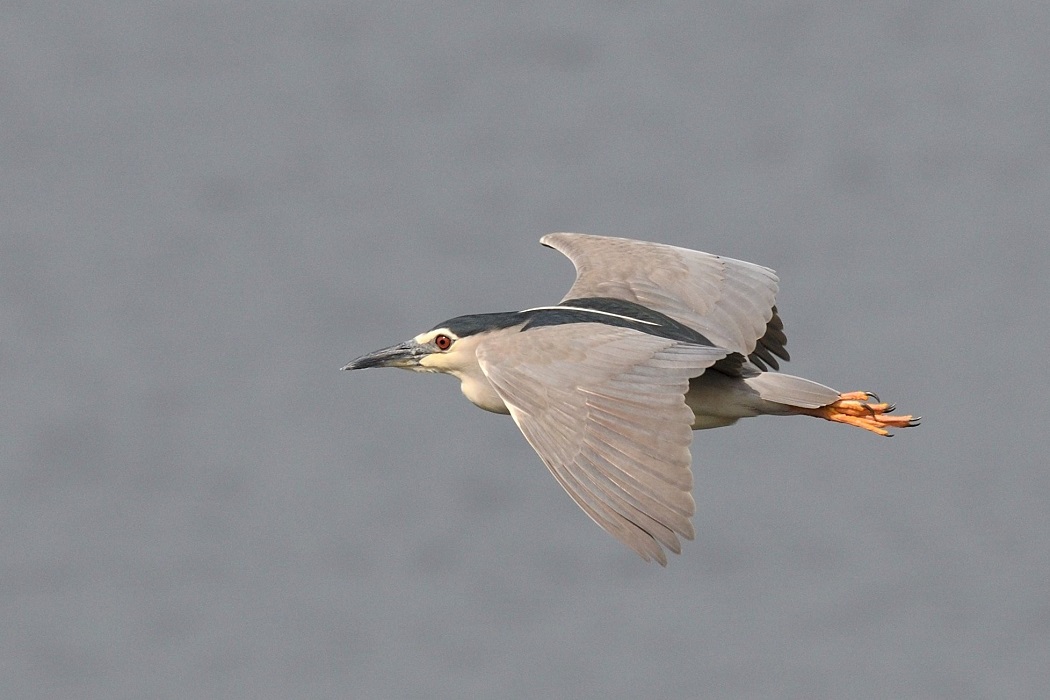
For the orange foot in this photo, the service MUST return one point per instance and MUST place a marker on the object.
(853, 408)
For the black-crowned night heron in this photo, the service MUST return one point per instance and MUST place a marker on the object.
(651, 342)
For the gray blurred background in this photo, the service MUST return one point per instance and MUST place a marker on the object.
(207, 208)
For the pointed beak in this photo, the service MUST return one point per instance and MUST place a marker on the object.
(405, 355)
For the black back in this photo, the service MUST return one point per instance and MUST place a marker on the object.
(627, 315)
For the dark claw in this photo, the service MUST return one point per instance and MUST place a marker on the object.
(914, 421)
(873, 395)
(891, 408)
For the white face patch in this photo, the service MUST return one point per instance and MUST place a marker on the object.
(438, 360)
(428, 337)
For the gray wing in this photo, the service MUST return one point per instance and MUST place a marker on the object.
(729, 301)
(604, 408)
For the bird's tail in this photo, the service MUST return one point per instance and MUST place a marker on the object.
(791, 391)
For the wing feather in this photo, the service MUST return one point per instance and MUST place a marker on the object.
(604, 408)
(731, 302)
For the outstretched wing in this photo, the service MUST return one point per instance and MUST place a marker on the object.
(730, 301)
(604, 408)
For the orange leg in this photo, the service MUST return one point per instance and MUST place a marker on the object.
(853, 408)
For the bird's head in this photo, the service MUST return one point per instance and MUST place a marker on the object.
(448, 347)
(427, 352)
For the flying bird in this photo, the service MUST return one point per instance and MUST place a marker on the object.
(651, 342)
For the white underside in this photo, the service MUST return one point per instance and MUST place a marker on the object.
(717, 400)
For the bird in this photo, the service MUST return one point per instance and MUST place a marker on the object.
(651, 342)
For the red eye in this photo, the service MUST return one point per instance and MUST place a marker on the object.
(443, 342)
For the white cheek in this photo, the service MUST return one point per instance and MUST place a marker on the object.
(438, 362)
